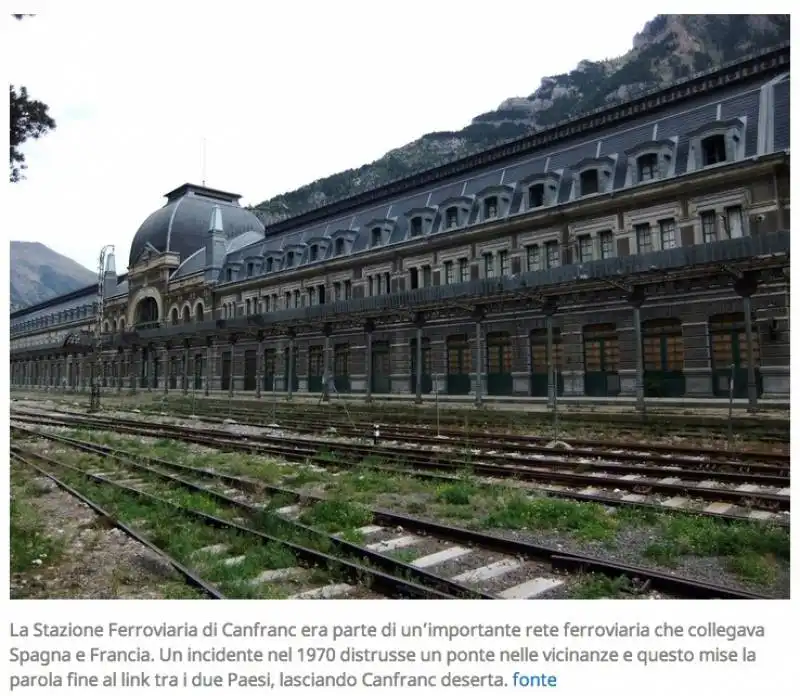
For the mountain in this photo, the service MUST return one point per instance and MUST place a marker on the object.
(669, 47)
(39, 273)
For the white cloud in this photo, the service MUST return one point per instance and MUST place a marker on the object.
(284, 93)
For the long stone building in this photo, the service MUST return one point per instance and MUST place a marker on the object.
(639, 250)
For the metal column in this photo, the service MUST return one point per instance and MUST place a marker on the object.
(637, 336)
(418, 385)
(186, 357)
(326, 368)
(369, 328)
(209, 365)
(232, 376)
(259, 367)
(479, 362)
(290, 373)
(752, 386)
(167, 370)
(551, 380)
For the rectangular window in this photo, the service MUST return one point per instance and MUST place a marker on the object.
(585, 244)
(734, 223)
(553, 256)
(416, 226)
(607, 244)
(590, 182)
(644, 238)
(348, 289)
(490, 208)
(536, 196)
(287, 300)
(667, 232)
(504, 268)
(379, 284)
(708, 221)
(451, 218)
(387, 282)
(534, 258)
(463, 270)
(488, 265)
(337, 292)
(312, 253)
(713, 150)
(296, 298)
(648, 167)
(426, 277)
(448, 273)
(370, 286)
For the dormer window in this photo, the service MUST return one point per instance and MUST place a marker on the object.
(590, 182)
(289, 259)
(339, 247)
(713, 148)
(716, 142)
(451, 218)
(647, 167)
(377, 236)
(536, 196)
(229, 275)
(269, 265)
(650, 161)
(313, 252)
(250, 270)
(416, 226)
(490, 208)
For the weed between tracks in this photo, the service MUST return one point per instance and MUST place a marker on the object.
(31, 546)
(750, 553)
(184, 537)
(61, 549)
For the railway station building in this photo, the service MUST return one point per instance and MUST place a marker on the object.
(640, 250)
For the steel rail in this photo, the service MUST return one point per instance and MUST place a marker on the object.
(189, 576)
(536, 471)
(458, 411)
(686, 424)
(354, 571)
(507, 441)
(690, 467)
(665, 582)
(425, 475)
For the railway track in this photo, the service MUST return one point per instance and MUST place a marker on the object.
(465, 561)
(623, 424)
(248, 560)
(503, 441)
(722, 487)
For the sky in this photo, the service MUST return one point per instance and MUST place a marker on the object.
(281, 93)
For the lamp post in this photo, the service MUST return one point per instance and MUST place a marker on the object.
(94, 399)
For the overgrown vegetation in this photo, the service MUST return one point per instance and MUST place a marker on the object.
(754, 552)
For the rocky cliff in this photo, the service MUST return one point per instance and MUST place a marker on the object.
(38, 273)
(668, 48)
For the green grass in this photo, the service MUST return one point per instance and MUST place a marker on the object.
(584, 520)
(598, 586)
(30, 545)
(752, 551)
(336, 515)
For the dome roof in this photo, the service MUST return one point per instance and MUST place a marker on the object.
(182, 224)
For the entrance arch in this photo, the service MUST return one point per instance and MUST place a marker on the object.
(146, 307)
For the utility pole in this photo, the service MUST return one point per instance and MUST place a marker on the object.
(94, 399)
